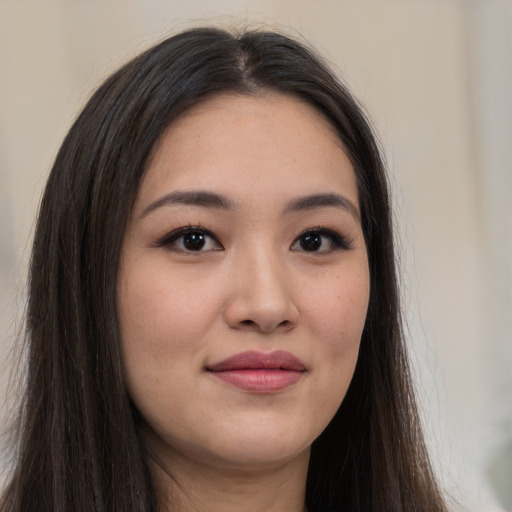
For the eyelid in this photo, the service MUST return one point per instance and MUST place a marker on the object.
(339, 241)
(168, 239)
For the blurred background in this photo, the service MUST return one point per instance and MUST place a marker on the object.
(436, 79)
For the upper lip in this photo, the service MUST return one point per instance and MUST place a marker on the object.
(253, 360)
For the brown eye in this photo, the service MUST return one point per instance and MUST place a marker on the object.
(320, 241)
(311, 242)
(194, 241)
(190, 239)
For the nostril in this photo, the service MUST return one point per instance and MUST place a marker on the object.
(252, 324)
(285, 325)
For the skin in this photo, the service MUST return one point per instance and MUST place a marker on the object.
(254, 284)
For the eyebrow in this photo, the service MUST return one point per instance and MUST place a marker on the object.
(314, 201)
(192, 198)
(212, 200)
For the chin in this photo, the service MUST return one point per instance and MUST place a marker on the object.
(260, 459)
(264, 450)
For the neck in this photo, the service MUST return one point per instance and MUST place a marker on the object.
(188, 486)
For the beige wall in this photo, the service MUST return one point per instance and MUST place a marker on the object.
(436, 77)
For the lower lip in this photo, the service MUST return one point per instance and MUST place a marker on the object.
(259, 381)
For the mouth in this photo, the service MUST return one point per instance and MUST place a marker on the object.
(258, 372)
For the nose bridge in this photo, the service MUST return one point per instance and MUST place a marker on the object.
(266, 274)
(261, 295)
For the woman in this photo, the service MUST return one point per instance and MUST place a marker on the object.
(213, 317)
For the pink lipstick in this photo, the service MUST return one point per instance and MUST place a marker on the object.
(259, 372)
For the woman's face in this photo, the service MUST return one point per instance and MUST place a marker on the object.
(243, 283)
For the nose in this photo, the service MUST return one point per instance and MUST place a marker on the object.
(261, 298)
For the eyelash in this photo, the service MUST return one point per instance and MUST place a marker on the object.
(338, 241)
(172, 237)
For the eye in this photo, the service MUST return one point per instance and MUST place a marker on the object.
(320, 240)
(190, 239)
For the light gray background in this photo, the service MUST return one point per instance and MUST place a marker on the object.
(436, 77)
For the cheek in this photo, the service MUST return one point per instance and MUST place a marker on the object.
(157, 310)
(336, 316)
(162, 325)
(337, 313)
(337, 310)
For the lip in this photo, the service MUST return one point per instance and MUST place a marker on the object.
(259, 372)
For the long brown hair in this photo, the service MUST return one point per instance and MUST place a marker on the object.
(78, 442)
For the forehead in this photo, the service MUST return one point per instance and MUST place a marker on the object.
(270, 143)
(269, 107)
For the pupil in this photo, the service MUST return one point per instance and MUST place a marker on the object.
(193, 241)
(311, 242)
